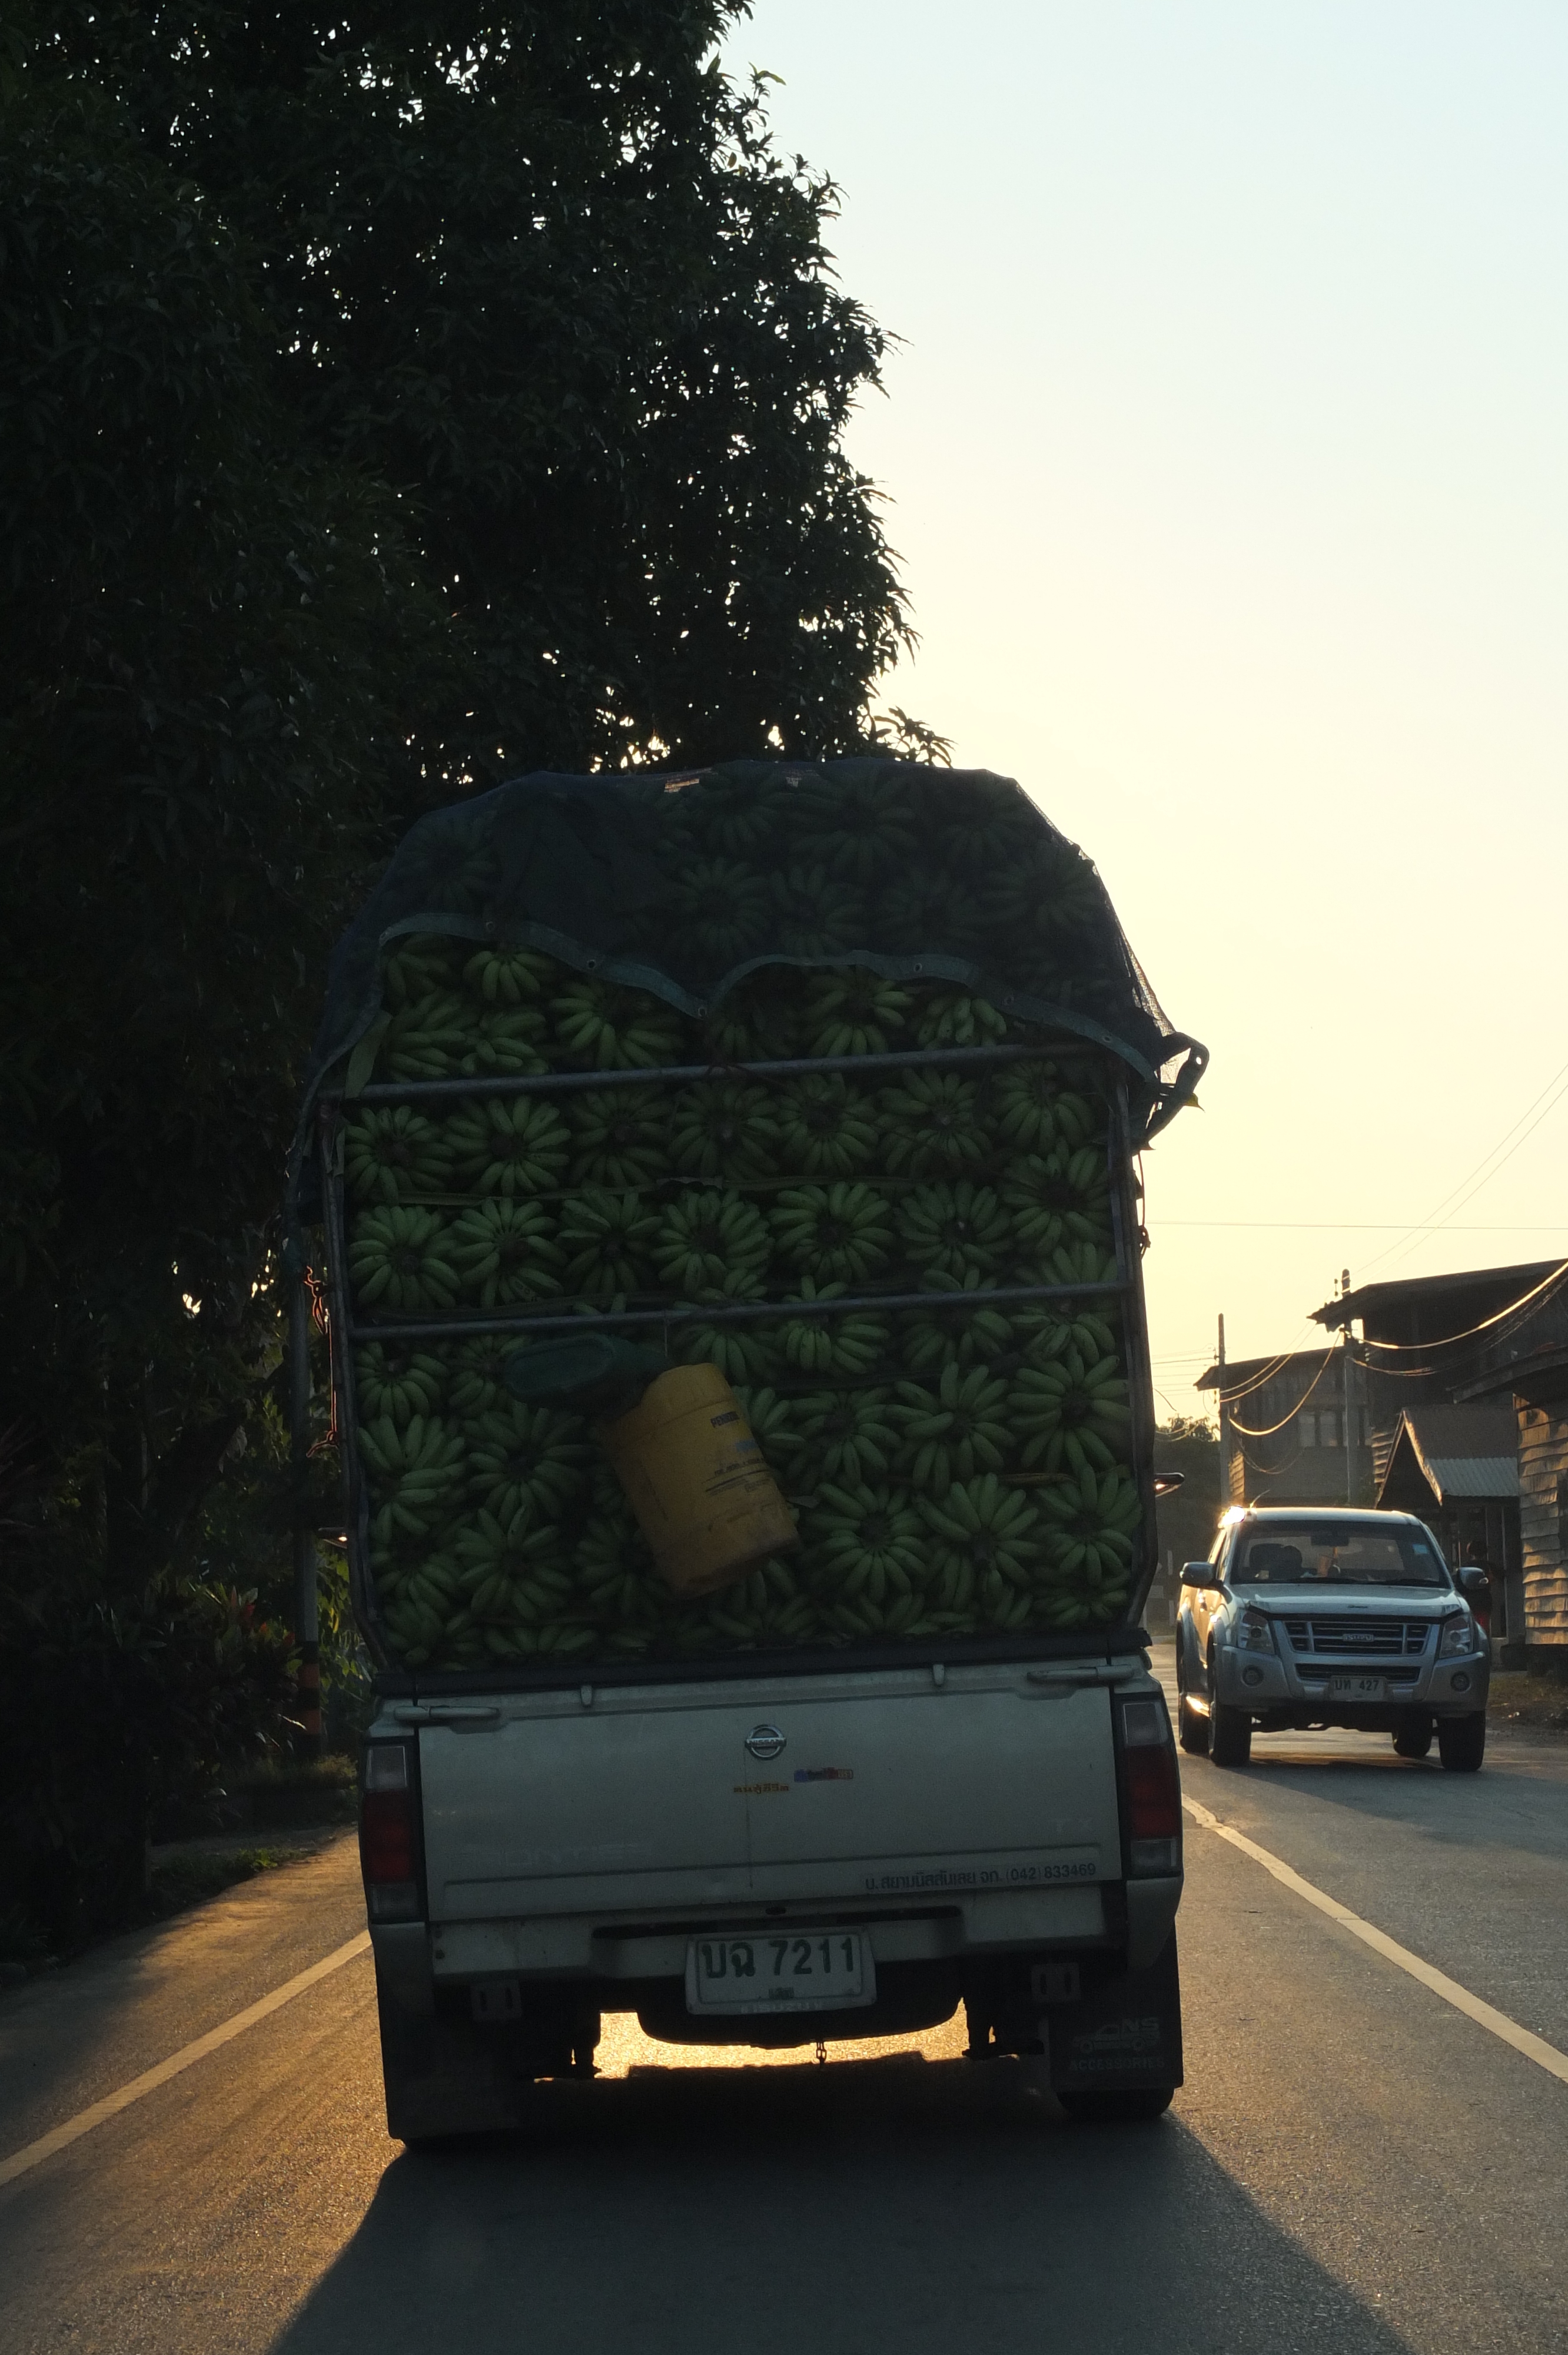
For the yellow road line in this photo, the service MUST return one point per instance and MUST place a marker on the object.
(1534, 2048)
(33, 2154)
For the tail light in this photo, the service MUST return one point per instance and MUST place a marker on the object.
(1152, 1789)
(389, 1833)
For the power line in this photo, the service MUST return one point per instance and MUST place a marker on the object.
(1469, 1187)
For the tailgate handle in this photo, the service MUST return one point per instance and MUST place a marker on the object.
(436, 1712)
(1087, 1672)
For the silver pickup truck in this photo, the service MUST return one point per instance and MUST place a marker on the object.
(918, 1761)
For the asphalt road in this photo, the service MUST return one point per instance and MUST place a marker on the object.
(1353, 2164)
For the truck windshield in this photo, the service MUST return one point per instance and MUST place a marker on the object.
(1334, 1553)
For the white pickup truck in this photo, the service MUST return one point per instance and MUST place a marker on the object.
(818, 1823)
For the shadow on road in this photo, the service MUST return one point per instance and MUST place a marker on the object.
(1515, 1804)
(860, 2207)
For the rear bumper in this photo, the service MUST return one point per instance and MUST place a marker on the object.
(618, 1961)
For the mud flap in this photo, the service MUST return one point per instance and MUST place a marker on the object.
(1123, 2034)
(443, 2076)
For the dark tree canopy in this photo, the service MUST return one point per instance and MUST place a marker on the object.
(540, 269)
(391, 398)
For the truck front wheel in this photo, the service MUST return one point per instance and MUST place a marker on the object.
(1230, 1735)
(1462, 1742)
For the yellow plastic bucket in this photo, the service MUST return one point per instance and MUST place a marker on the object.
(703, 1498)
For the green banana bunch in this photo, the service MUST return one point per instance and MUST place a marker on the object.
(755, 1023)
(860, 828)
(838, 1233)
(950, 1017)
(510, 1572)
(1050, 892)
(615, 1571)
(816, 914)
(510, 976)
(933, 1338)
(422, 966)
(954, 1231)
(523, 1459)
(850, 1344)
(725, 1129)
(956, 1433)
(772, 1422)
(1035, 1111)
(847, 1436)
(403, 1260)
(394, 1380)
(478, 1374)
(722, 907)
(426, 1042)
(932, 1125)
(705, 1240)
(1063, 1195)
(936, 911)
(505, 1251)
(393, 1154)
(1080, 1263)
(1075, 1414)
(619, 1135)
(606, 1240)
(825, 1127)
(987, 1548)
(414, 1471)
(1046, 1334)
(604, 1028)
(509, 1144)
(504, 1041)
(868, 1545)
(763, 1610)
(734, 816)
(852, 1012)
(985, 823)
(743, 1353)
(1091, 1519)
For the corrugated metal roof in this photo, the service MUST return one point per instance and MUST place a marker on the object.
(1465, 1451)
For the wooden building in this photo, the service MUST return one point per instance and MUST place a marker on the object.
(1459, 1467)
(1282, 1428)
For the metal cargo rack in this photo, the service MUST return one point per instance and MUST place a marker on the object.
(347, 1331)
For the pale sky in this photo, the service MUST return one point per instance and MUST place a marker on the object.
(1225, 455)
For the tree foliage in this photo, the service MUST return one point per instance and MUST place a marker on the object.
(541, 269)
(394, 397)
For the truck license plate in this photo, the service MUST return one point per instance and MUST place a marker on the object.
(809, 1970)
(1348, 1687)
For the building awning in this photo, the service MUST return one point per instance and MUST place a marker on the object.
(1459, 1451)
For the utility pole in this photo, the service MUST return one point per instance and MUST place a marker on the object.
(1349, 1441)
(307, 1609)
(1225, 1428)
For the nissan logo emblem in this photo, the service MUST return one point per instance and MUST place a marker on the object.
(765, 1742)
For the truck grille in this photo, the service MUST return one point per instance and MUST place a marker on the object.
(1341, 1639)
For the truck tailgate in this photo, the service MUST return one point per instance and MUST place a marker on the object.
(646, 1798)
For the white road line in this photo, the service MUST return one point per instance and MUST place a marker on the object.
(33, 2154)
(1534, 2048)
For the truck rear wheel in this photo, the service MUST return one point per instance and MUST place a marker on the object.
(1414, 1739)
(1124, 2109)
(1192, 1729)
(1462, 1742)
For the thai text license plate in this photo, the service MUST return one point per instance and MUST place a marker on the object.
(1348, 1687)
(807, 1970)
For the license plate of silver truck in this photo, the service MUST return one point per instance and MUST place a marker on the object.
(807, 1970)
(1349, 1688)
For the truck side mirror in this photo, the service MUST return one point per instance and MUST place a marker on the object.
(1202, 1574)
(1472, 1579)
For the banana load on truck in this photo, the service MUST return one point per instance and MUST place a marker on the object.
(824, 1079)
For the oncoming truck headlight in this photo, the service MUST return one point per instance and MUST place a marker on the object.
(1458, 1635)
(1254, 1631)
